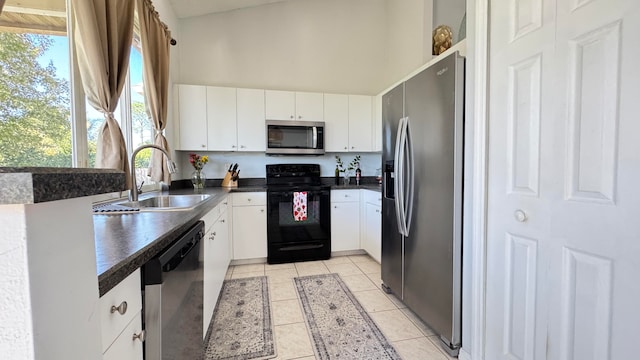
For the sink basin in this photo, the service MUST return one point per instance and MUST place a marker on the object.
(166, 202)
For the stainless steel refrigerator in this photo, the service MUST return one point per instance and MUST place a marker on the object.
(422, 158)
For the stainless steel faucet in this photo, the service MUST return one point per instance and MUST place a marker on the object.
(133, 193)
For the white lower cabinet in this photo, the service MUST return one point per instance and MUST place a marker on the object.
(128, 346)
(217, 255)
(249, 225)
(371, 229)
(345, 220)
(121, 320)
(371, 239)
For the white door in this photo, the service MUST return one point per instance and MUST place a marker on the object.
(360, 123)
(192, 117)
(221, 118)
(336, 122)
(251, 116)
(564, 167)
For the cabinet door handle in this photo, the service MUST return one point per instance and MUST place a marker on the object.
(242, 146)
(291, 117)
(299, 116)
(222, 220)
(203, 146)
(335, 206)
(353, 147)
(233, 146)
(261, 210)
(377, 210)
(346, 147)
(139, 336)
(122, 308)
(249, 199)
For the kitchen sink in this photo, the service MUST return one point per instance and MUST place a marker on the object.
(166, 202)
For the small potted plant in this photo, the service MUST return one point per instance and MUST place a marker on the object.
(198, 178)
(347, 172)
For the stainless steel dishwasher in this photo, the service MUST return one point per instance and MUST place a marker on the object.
(173, 294)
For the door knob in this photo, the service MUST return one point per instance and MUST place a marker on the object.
(520, 215)
(140, 336)
(122, 308)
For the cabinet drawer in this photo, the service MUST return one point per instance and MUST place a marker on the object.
(126, 347)
(213, 215)
(112, 320)
(345, 196)
(249, 198)
(372, 197)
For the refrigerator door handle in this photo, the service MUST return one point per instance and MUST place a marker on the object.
(410, 175)
(403, 177)
(398, 179)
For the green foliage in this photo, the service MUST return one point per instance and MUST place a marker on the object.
(352, 165)
(35, 127)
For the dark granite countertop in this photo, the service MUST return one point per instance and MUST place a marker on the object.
(125, 242)
(31, 185)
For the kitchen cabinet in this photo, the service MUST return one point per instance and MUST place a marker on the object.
(121, 320)
(221, 119)
(192, 114)
(371, 240)
(250, 120)
(345, 220)
(360, 123)
(348, 122)
(377, 123)
(336, 118)
(288, 105)
(249, 225)
(217, 255)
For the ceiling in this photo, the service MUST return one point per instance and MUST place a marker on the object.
(188, 8)
(34, 16)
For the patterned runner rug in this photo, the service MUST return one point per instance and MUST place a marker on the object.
(339, 325)
(241, 328)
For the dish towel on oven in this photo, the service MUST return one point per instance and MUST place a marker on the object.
(300, 205)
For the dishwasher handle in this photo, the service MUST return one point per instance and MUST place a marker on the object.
(171, 257)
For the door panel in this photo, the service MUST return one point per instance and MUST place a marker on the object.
(392, 247)
(563, 167)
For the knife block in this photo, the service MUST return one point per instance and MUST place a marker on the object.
(227, 182)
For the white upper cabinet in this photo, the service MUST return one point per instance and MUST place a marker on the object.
(289, 105)
(360, 123)
(336, 118)
(309, 106)
(221, 118)
(192, 114)
(377, 123)
(251, 116)
(280, 105)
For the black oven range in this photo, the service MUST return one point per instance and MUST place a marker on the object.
(298, 214)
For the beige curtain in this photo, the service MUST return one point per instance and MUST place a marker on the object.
(1, 5)
(103, 33)
(155, 38)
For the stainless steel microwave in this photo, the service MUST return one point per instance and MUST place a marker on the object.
(295, 137)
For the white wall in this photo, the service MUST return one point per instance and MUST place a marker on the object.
(408, 37)
(16, 330)
(450, 13)
(333, 46)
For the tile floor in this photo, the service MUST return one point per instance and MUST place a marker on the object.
(410, 337)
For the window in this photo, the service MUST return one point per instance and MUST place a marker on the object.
(36, 88)
(35, 105)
